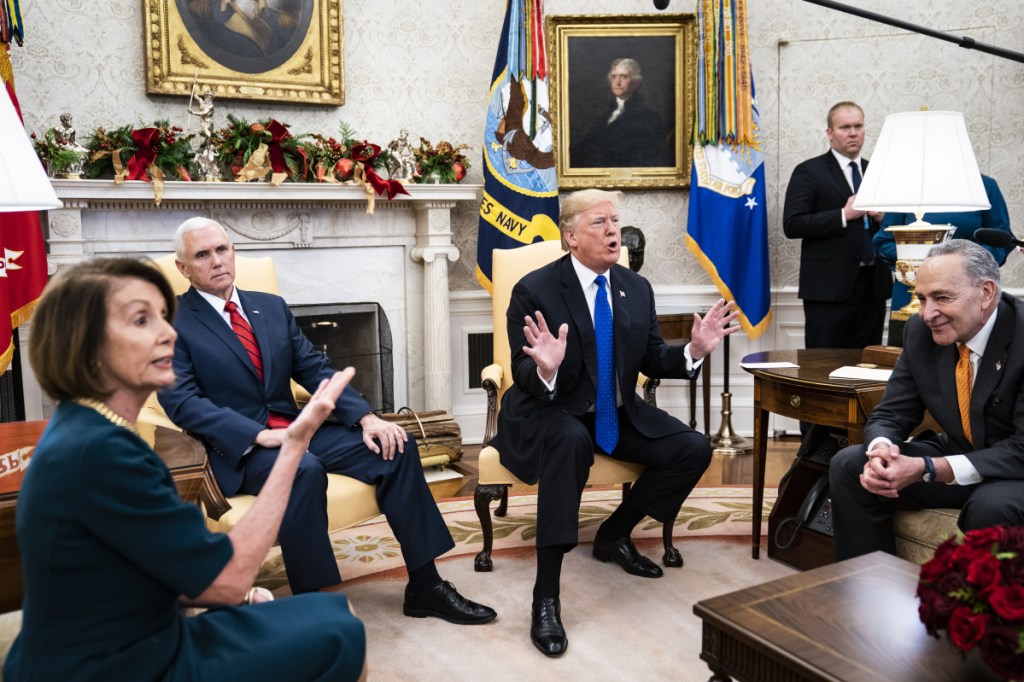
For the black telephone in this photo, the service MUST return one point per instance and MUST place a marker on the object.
(815, 514)
(816, 510)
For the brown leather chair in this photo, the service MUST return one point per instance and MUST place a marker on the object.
(508, 267)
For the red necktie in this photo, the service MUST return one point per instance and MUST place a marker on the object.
(244, 333)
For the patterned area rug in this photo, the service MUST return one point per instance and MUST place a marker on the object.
(370, 547)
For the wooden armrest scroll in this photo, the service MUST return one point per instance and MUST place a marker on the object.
(210, 494)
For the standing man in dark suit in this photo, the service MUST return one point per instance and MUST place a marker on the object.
(843, 285)
(961, 362)
(574, 390)
(234, 358)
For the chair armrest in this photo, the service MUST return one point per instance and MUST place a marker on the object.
(300, 394)
(649, 386)
(491, 377)
(211, 496)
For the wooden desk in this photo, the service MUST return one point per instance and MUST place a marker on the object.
(855, 620)
(184, 456)
(676, 328)
(805, 393)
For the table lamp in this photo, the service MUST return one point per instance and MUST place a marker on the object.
(923, 163)
(23, 182)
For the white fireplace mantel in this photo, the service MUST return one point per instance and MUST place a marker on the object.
(326, 249)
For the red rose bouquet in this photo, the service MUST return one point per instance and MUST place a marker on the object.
(974, 589)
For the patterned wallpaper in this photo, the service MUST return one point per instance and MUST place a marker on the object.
(426, 66)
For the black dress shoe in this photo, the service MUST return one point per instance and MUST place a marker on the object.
(546, 631)
(443, 601)
(624, 553)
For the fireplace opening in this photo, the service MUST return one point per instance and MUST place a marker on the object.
(357, 335)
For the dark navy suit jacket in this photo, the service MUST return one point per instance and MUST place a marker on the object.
(217, 394)
(528, 410)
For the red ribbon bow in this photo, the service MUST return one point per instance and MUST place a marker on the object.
(145, 140)
(364, 153)
(277, 133)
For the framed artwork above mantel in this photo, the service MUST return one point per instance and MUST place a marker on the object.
(278, 50)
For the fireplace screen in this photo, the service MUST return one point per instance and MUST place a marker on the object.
(356, 334)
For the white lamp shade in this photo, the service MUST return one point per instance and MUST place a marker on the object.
(23, 182)
(923, 163)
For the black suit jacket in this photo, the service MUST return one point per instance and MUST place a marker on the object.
(829, 252)
(924, 379)
(528, 410)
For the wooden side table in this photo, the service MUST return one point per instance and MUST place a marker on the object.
(184, 456)
(806, 393)
(676, 328)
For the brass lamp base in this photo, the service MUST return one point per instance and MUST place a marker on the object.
(727, 441)
(913, 242)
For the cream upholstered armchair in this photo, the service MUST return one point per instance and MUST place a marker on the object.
(508, 267)
(348, 501)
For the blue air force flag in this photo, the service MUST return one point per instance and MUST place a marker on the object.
(727, 228)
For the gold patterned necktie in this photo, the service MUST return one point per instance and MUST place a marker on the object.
(964, 380)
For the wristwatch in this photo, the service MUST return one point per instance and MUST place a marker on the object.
(929, 470)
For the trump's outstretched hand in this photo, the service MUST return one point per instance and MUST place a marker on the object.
(709, 330)
(547, 350)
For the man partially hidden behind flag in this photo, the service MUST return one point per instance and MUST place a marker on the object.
(22, 254)
(520, 202)
(727, 228)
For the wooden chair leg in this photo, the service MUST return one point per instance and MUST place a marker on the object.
(673, 557)
(502, 507)
(482, 498)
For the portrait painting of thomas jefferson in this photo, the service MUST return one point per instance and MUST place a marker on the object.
(622, 102)
(250, 36)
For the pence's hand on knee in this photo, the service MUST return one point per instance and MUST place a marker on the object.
(391, 437)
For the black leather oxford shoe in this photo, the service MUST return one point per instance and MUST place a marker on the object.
(625, 554)
(443, 601)
(546, 631)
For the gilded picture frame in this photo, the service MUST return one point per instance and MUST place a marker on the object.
(648, 142)
(280, 50)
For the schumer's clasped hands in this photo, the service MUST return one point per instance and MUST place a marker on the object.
(888, 471)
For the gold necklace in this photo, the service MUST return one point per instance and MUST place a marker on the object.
(108, 413)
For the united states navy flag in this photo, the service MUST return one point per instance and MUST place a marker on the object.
(727, 229)
(520, 202)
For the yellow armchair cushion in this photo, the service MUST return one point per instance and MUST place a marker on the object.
(605, 471)
(348, 502)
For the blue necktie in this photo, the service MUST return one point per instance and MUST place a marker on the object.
(867, 249)
(606, 421)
